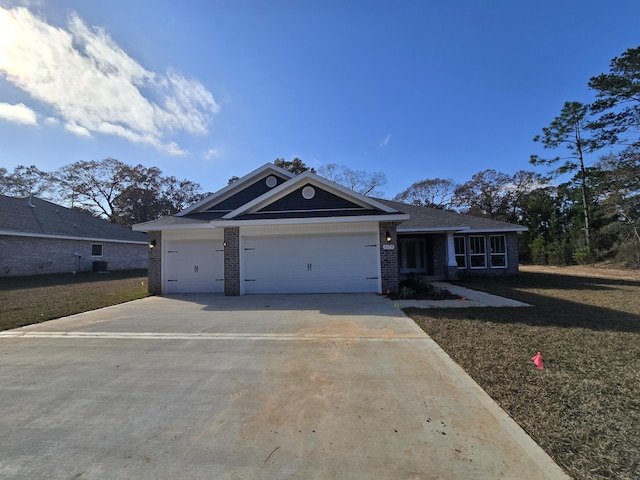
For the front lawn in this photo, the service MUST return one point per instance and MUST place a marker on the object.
(584, 407)
(26, 300)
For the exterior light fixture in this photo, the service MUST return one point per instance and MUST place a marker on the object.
(152, 243)
(224, 244)
(388, 237)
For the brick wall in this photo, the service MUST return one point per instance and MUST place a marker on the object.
(389, 258)
(232, 261)
(440, 268)
(155, 264)
(34, 255)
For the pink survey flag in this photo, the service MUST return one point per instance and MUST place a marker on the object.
(537, 359)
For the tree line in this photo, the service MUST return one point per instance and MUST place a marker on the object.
(593, 214)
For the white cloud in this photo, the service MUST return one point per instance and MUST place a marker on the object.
(19, 113)
(95, 86)
(385, 141)
(77, 129)
(209, 154)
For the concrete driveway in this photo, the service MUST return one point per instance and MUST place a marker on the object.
(203, 387)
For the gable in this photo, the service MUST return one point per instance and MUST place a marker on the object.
(243, 190)
(321, 200)
(254, 190)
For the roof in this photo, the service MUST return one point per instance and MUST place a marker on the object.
(272, 196)
(32, 216)
(434, 219)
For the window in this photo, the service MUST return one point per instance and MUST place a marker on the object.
(461, 251)
(412, 255)
(96, 250)
(498, 251)
(477, 252)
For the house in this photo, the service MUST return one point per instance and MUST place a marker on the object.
(275, 232)
(37, 236)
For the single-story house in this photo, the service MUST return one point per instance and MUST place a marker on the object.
(275, 232)
(37, 236)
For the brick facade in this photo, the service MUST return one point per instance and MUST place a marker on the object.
(389, 258)
(232, 261)
(155, 264)
(20, 256)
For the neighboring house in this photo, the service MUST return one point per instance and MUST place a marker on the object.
(275, 232)
(37, 237)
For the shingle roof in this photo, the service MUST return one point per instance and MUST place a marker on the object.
(432, 218)
(47, 219)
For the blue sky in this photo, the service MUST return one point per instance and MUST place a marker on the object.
(205, 90)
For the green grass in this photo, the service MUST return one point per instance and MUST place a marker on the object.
(27, 300)
(583, 409)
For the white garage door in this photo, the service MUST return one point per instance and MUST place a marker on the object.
(194, 266)
(311, 264)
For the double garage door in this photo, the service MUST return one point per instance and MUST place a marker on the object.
(336, 263)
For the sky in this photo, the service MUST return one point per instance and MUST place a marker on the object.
(210, 89)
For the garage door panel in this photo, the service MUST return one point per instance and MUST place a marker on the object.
(311, 264)
(195, 266)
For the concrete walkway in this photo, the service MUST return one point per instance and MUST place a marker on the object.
(470, 298)
(202, 386)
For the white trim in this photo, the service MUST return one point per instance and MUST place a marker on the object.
(505, 254)
(484, 253)
(432, 229)
(501, 231)
(462, 229)
(237, 185)
(185, 226)
(66, 237)
(463, 254)
(310, 221)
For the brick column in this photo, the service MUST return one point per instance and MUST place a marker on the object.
(154, 281)
(232, 261)
(388, 257)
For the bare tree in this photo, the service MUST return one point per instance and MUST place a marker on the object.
(431, 192)
(359, 181)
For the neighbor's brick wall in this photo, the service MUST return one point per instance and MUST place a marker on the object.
(232, 261)
(389, 258)
(155, 264)
(33, 256)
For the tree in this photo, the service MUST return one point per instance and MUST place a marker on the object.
(295, 166)
(620, 199)
(618, 99)
(125, 194)
(25, 181)
(357, 180)
(93, 185)
(431, 192)
(567, 131)
(487, 194)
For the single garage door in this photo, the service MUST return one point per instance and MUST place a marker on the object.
(346, 263)
(194, 266)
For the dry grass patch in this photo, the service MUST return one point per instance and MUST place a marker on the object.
(584, 407)
(27, 300)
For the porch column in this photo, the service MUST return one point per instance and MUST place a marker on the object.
(389, 257)
(452, 265)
